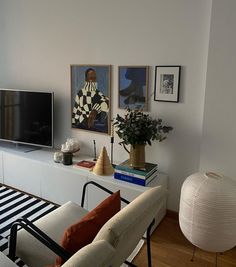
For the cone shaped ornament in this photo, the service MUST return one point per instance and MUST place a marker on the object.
(103, 165)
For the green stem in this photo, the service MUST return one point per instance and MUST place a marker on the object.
(126, 148)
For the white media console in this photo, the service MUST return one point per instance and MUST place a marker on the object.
(36, 173)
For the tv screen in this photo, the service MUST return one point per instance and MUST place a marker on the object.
(26, 117)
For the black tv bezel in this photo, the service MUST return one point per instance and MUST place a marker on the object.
(52, 105)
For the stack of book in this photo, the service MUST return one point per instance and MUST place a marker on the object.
(136, 176)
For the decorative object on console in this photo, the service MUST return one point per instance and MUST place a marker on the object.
(85, 164)
(90, 97)
(207, 213)
(167, 81)
(140, 177)
(58, 157)
(71, 146)
(112, 141)
(137, 129)
(67, 158)
(103, 165)
(149, 168)
(94, 149)
(133, 87)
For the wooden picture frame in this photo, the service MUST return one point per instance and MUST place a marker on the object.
(90, 97)
(133, 87)
(167, 82)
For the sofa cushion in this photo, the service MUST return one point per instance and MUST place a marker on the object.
(82, 233)
(32, 251)
(6, 262)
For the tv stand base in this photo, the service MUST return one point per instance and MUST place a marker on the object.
(19, 147)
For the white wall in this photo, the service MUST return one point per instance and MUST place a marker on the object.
(218, 152)
(2, 46)
(42, 38)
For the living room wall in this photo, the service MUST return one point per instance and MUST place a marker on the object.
(218, 150)
(41, 38)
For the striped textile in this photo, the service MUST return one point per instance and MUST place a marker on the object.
(15, 204)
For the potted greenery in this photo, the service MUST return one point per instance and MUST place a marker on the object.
(138, 129)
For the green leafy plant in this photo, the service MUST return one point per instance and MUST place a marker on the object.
(137, 127)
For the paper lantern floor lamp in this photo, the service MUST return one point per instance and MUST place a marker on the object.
(103, 165)
(207, 213)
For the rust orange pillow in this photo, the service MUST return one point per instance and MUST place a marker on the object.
(82, 233)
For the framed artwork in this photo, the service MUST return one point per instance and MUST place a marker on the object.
(133, 87)
(167, 80)
(90, 97)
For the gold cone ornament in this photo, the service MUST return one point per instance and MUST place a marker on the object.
(103, 165)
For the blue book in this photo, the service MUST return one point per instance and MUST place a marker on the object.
(148, 170)
(134, 174)
(134, 180)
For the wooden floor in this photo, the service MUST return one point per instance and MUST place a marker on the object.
(171, 249)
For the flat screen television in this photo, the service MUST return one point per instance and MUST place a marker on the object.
(26, 117)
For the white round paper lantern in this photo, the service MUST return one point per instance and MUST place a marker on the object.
(207, 213)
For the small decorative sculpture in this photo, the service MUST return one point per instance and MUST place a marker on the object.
(71, 145)
(58, 157)
(103, 165)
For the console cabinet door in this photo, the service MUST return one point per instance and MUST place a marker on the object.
(22, 173)
(127, 190)
(61, 184)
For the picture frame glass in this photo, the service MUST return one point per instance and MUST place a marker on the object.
(167, 83)
(90, 97)
(133, 87)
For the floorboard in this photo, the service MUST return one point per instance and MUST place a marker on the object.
(171, 249)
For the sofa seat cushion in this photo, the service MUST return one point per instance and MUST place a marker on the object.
(5, 261)
(34, 253)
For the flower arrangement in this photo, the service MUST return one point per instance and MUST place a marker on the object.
(137, 127)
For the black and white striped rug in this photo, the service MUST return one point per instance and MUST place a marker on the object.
(15, 204)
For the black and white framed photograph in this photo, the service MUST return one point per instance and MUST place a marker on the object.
(167, 81)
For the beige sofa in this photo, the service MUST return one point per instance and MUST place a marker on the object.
(111, 247)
